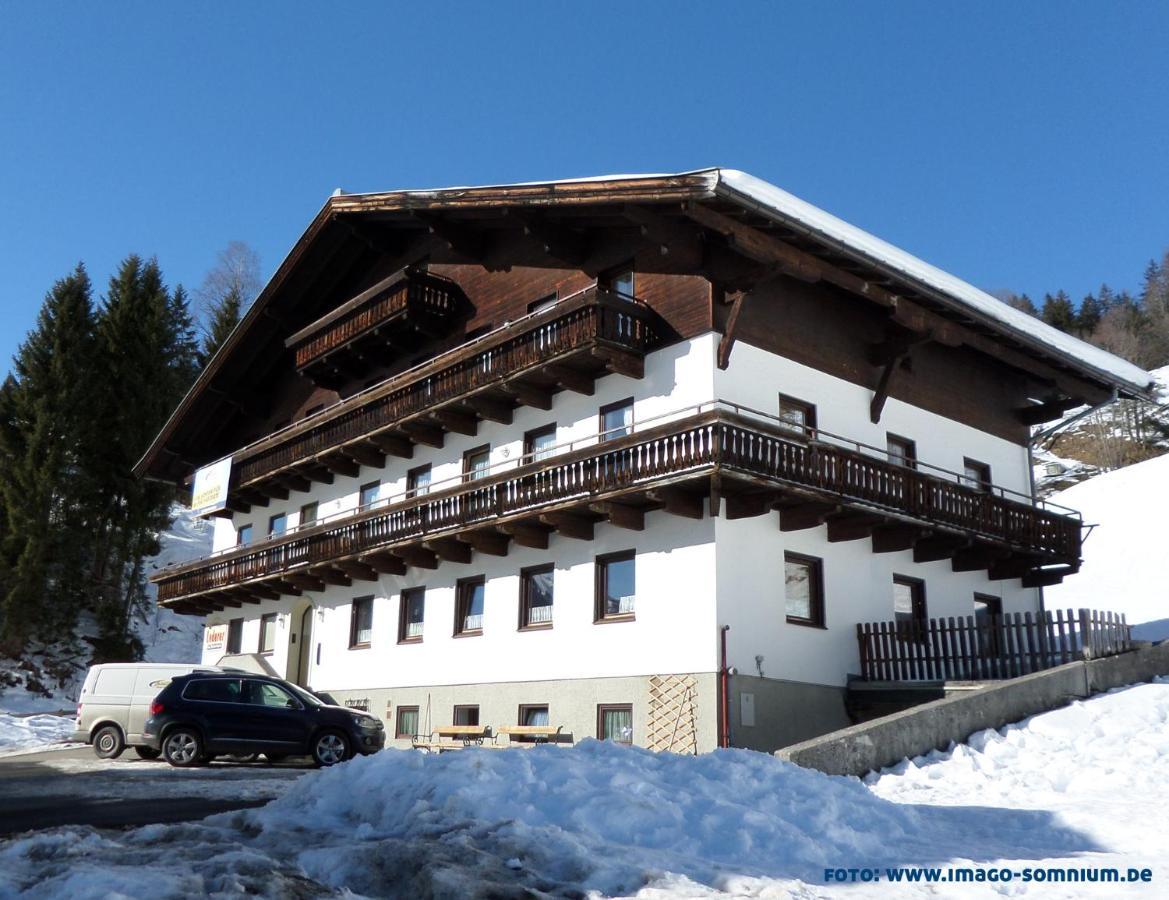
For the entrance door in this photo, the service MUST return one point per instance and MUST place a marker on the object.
(304, 642)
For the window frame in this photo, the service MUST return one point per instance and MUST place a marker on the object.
(243, 535)
(918, 625)
(601, 585)
(356, 604)
(375, 487)
(464, 590)
(603, 708)
(525, 707)
(468, 472)
(984, 482)
(608, 281)
(238, 643)
(404, 598)
(272, 532)
(412, 488)
(817, 617)
(993, 648)
(910, 454)
(529, 442)
(311, 505)
(526, 599)
(602, 432)
(464, 707)
(808, 432)
(398, 735)
(544, 302)
(273, 618)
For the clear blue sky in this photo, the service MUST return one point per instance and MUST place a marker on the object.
(1018, 145)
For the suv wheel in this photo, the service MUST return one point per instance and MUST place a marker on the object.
(183, 747)
(330, 748)
(108, 742)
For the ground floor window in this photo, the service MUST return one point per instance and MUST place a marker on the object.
(235, 636)
(410, 614)
(615, 723)
(361, 623)
(909, 606)
(536, 597)
(535, 715)
(469, 608)
(268, 633)
(406, 723)
(803, 589)
(465, 715)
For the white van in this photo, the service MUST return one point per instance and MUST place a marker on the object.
(115, 702)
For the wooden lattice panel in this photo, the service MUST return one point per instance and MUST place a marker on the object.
(673, 719)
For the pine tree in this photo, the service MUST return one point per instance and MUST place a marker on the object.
(224, 316)
(1058, 312)
(1022, 303)
(1089, 315)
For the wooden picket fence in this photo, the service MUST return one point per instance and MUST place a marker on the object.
(972, 649)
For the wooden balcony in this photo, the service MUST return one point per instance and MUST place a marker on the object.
(566, 346)
(687, 464)
(393, 312)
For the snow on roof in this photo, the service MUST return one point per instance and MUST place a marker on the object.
(791, 210)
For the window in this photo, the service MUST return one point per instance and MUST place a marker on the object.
(243, 535)
(313, 410)
(796, 415)
(909, 606)
(538, 444)
(263, 693)
(361, 622)
(616, 419)
(902, 451)
(369, 494)
(536, 597)
(465, 715)
(621, 282)
(406, 722)
(476, 462)
(418, 481)
(543, 303)
(616, 586)
(411, 608)
(216, 690)
(534, 716)
(615, 723)
(469, 605)
(976, 474)
(803, 590)
(235, 636)
(277, 524)
(988, 612)
(267, 632)
(308, 514)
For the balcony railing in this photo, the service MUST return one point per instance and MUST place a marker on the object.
(412, 294)
(593, 318)
(748, 449)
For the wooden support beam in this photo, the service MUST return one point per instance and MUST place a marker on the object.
(491, 408)
(252, 496)
(294, 482)
(850, 528)
(753, 243)
(805, 515)
(286, 585)
(1014, 567)
(459, 239)
(560, 243)
(681, 243)
(329, 575)
(315, 473)
(418, 557)
(237, 504)
(527, 534)
(365, 454)
(895, 538)
(569, 525)
(263, 592)
(677, 502)
(273, 490)
(529, 394)
(620, 362)
(938, 547)
(223, 513)
(745, 506)
(1045, 577)
(358, 570)
(458, 422)
(393, 445)
(1045, 412)
(881, 394)
(973, 559)
(621, 515)
(386, 563)
(421, 433)
(245, 594)
(571, 379)
(728, 339)
(490, 542)
(224, 598)
(449, 550)
(340, 465)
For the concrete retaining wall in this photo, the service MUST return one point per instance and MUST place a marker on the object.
(885, 741)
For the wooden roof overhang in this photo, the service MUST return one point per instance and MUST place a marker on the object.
(675, 223)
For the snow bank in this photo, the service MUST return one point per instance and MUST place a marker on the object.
(20, 734)
(1126, 568)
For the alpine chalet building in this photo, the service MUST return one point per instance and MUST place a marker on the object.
(632, 456)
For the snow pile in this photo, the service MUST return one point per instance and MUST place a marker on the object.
(23, 733)
(1125, 565)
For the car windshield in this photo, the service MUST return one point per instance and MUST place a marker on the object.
(304, 695)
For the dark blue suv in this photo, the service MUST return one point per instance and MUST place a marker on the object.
(203, 715)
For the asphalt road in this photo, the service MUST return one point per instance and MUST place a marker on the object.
(74, 787)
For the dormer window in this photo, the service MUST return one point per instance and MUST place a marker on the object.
(620, 282)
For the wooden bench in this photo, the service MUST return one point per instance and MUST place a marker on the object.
(529, 735)
(452, 737)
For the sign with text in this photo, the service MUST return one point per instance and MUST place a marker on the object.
(214, 637)
(209, 494)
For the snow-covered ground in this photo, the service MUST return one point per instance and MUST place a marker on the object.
(1078, 787)
(1126, 567)
(22, 733)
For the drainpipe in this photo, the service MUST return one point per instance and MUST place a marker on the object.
(724, 738)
